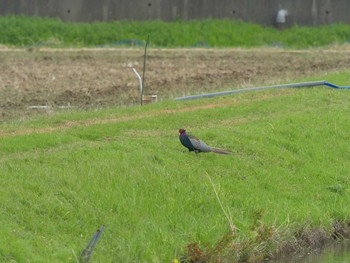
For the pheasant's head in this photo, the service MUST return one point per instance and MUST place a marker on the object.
(182, 131)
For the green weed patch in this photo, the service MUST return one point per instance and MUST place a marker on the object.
(26, 31)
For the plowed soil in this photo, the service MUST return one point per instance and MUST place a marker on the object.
(92, 78)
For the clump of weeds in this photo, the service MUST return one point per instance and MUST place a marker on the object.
(234, 248)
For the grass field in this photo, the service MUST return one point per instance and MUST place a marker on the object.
(65, 175)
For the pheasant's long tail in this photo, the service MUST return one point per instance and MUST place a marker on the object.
(221, 151)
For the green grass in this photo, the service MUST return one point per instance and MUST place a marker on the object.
(125, 168)
(26, 31)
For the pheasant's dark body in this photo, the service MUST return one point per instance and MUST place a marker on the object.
(195, 144)
(185, 141)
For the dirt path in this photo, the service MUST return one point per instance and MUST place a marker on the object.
(90, 78)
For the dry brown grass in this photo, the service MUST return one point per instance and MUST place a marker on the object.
(90, 78)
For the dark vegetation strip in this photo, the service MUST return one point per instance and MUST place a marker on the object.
(268, 244)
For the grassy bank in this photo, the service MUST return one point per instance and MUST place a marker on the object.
(39, 31)
(65, 175)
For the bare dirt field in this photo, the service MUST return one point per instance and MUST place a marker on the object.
(91, 78)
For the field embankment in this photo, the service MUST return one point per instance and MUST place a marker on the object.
(65, 175)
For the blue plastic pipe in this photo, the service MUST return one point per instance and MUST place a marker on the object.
(335, 86)
(291, 85)
(87, 252)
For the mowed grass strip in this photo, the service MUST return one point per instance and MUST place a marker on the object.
(290, 169)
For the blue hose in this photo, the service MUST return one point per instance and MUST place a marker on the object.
(335, 86)
(291, 85)
(87, 252)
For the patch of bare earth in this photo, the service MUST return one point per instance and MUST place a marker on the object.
(91, 78)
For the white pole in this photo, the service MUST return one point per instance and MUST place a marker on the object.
(140, 79)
